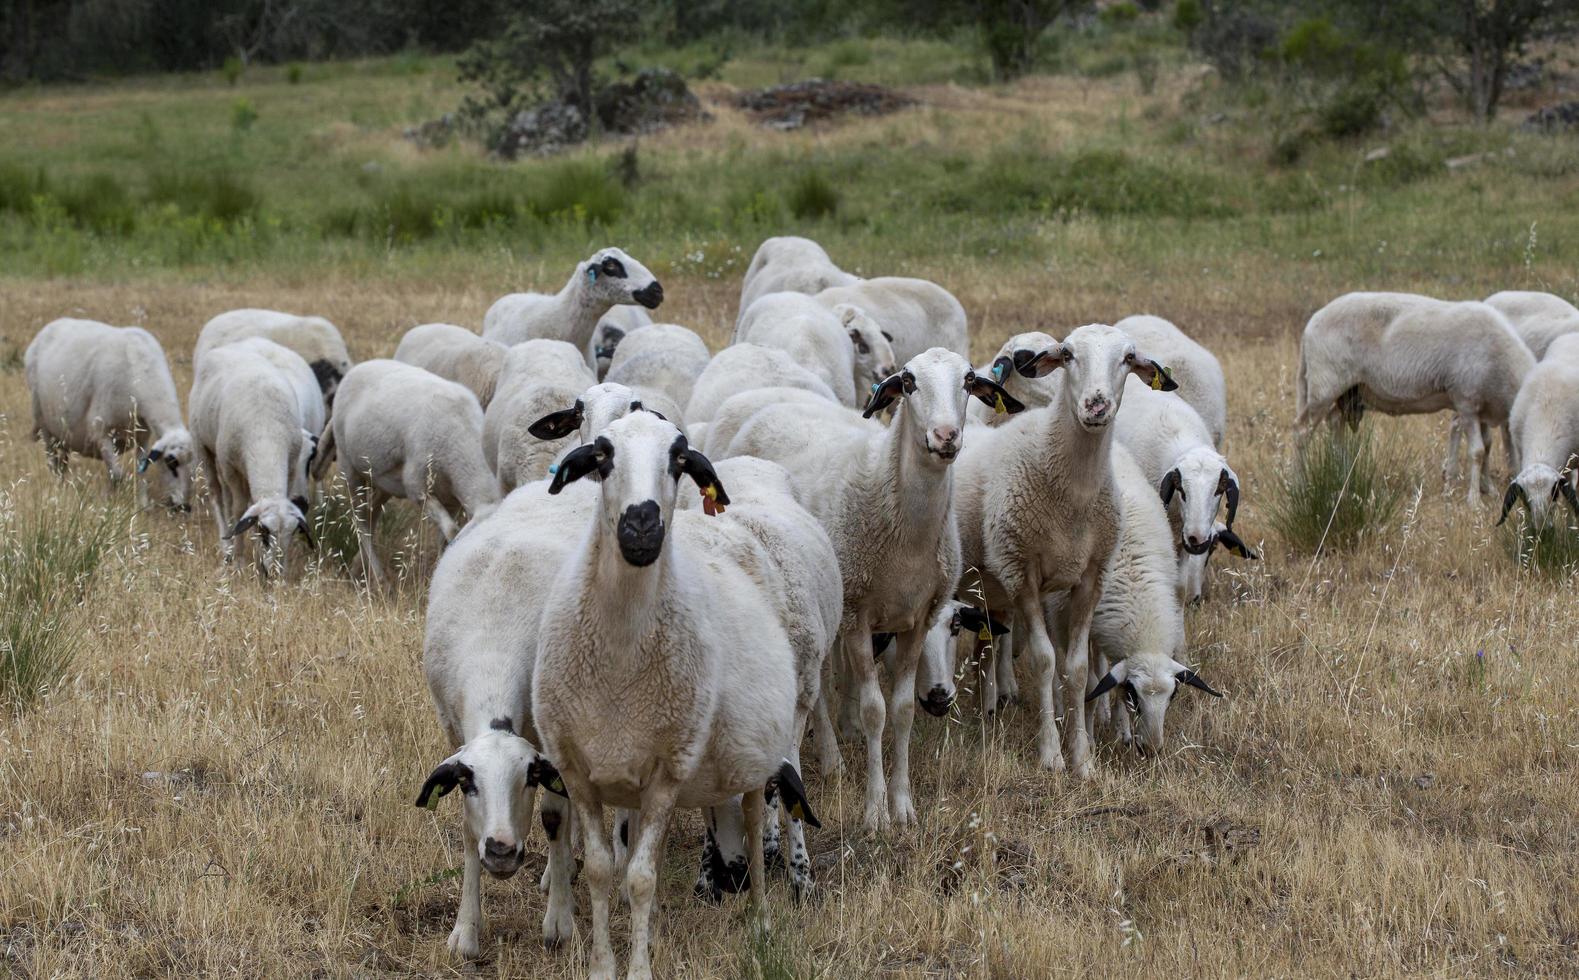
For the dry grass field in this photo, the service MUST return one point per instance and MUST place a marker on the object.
(221, 782)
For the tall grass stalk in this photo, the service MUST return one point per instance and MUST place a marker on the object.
(1551, 550)
(1335, 492)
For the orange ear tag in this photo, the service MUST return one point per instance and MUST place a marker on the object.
(710, 505)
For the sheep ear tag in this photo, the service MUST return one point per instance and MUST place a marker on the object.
(592, 273)
(1156, 378)
(793, 792)
(142, 465)
(984, 634)
(998, 407)
(710, 505)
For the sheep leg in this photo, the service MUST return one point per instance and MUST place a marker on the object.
(1511, 450)
(1101, 711)
(439, 516)
(1047, 671)
(657, 806)
(464, 938)
(902, 713)
(772, 831)
(799, 863)
(823, 736)
(755, 804)
(1077, 675)
(986, 657)
(1455, 431)
(559, 917)
(110, 453)
(1485, 474)
(626, 822)
(1008, 686)
(365, 508)
(857, 646)
(57, 454)
(599, 869)
(1477, 458)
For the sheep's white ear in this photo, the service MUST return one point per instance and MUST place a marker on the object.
(449, 774)
(1113, 678)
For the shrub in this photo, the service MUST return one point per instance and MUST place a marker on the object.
(1334, 492)
(20, 186)
(1354, 111)
(1187, 15)
(811, 196)
(242, 115)
(232, 69)
(98, 203)
(219, 196)
(293, 74)
(579, 190)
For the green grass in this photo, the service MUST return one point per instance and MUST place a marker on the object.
(1550, 550)
(1335, 493)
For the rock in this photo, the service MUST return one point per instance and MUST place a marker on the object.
(786, 107)
(654, 99)
(1559, 118)
(542, 129)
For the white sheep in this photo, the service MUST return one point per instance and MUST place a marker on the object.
(885, 495)
(714, 437)
(1037, 516)
(1545, 427)
(742, 367)
(455, 354)
(1029, 392)
(1173, 445)
(1199, 375)
(1539, 318)
(1404, 354)
(607, 279)
(914, 313)
(317, 341)
(248, 433)
(538, 377)
(99, 390)
(663, 676)
(402, 431)
(790, 264)
(611, 330)
(843, 346)
(1137, 630)
(661, 363)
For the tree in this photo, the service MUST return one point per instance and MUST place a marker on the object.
(1488, 35)
(1012, 29)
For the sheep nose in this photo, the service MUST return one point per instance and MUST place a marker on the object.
(946, 437)
(640, 533)
(938, 701)
(1097, 407)
(1192, 540)
(650, 295)
(496, 848)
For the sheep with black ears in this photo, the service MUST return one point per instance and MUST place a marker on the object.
(843, 346)
(914, 313)
(401, 431)
(885, 494)
(538, 377)
(743, 367)
(455, 354)
(1199, 375)
(607, 279)
(249, 434)
(1038, 517)
(1545, 427)
(1539, 318)
(790, 264)
(661, 363)
(99, 390)
(1029, 392)
(610, 333)
(663, 675)
(317, 341)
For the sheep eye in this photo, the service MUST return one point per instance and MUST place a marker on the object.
(909, 382)
(860, 345)
(1129, 358)
(954, 625)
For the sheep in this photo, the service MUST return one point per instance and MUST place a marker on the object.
(663, 677)
(1545, 427)
(915, 314)
(1195, 368)
(248, 433)
(1037, 515)
(455, 354)
(936, 686)
(844, 347)
(402, 431)
(611, 330)
(484, 605)
(661, 363)
(790, 264)
(100, 390)
(714, 437)
(1539, 318)
(538, 377)
(885, 496)
(1173, 445)
(1138, 625)
(607, 279)
(741, 367)
(317, 341)
(1028, 392)
(1405, 354)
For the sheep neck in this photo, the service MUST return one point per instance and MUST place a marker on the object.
(579, 311)
(921, 489)
(1072, 455)
(268, 467)
(622, 599)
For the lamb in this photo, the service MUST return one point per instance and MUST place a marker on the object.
(317, 341)
(607, 279)
(248, 433)
(1138, 625)
(741, 367)
(1545, 427)
(663, 677)
(538, 377)
(1174, 447)
(404, 432)
(1539, 318)
(790, 264)
(1404, 354)
(611, 330)
(661, 363)
(843, 347)
(1195, 368)
(1016, 350)
(1038, 517)
(916, 314)
(885, 496)
(455, 354)
(100, 390)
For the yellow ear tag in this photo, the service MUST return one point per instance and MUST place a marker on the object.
(1156, 380)
(999, 407)
(797, 812)
(710, 504)
(984, 635)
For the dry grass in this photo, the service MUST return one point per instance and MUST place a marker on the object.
(1388, 788)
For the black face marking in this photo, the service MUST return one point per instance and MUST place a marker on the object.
(613, 267)
(625, 833)
(908, 381)
(175, 465)
(551, 819)
(327, 375)
(504, 724)
(300, 503)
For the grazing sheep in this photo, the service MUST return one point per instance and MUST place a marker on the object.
(1029, 392)
(538, 377)
(1404, 354)
(844, 347)
(742, 367)
(885, 495)
(914, 313)
(1137, 630)
(660, 364)
(664, 677)
(1037, 515)
(99, 390)
(1173, 445)
(402, 431)
(936, 685)
(1545, 427)
(317, 341)
(788, 264)
(608, 279)
(1539, 318)
(248, 433)
(455, 354)
(611, 330)
(1199, 376)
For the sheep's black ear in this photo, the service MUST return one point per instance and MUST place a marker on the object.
(580, 461)
(989, 392)
(1515, 493)
(542, 773)
(1001, 368)
(1229, 488)
(301, 528)
(1106, 684)
(880, 643)
(558, 425)
(611, 340)
(700, 469)
(1567, 490)
(243, 526)
(793, 793)
(884, 393)
(1040, 363)
(1154, 374)
(1171, 483)
(639, 407)
(446, 777)
(1190, 677)
(153, 456)
(887, 336)
(1233, 543)
(976, 620)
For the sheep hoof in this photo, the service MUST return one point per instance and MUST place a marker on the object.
(464, 942)
(557, 927)
(1053, 761)
(876, 819)
(904, 812)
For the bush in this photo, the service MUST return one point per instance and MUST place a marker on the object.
(98, 203)
(1334, 493)
(1187, 15)
(218, 196)
(1098, 182)
(812, 197)
(1353, 111)
(580, 190)
(293, 74)
(242, 115)
(232, 70)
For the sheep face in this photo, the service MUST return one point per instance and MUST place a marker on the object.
(605, 340)
(495, 773)
(615, 278)
(639, 460)
(935, 385)
(1195, 489)
(1148, 683)
(936, 684)
(1540, 487)
(1097, 359)
(874, 352)
(277, 522)
(167, 469)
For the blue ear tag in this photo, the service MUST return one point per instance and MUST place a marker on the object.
(997, 372)
(592, 273)
(142, 465)
(553, 469)
(876, 386)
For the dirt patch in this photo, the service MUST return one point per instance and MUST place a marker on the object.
(815, 100)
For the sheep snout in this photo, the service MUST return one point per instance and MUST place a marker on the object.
(641, 533)
(502, 858)
(650, 295)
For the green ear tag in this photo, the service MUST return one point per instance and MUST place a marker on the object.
(432, 802)
(592, 274)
